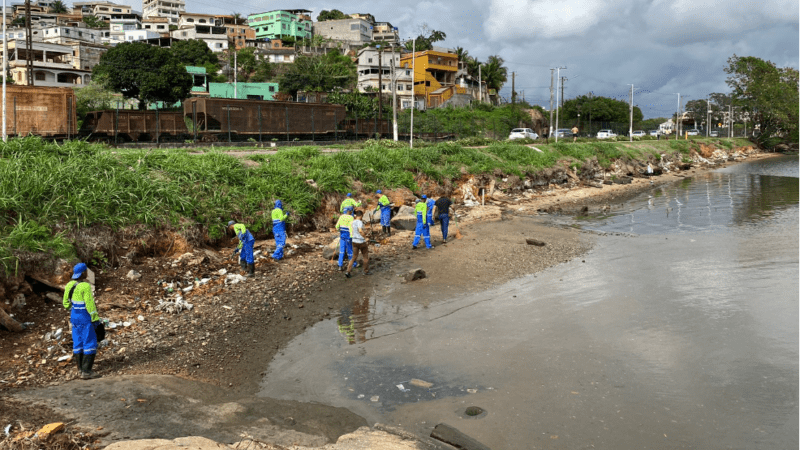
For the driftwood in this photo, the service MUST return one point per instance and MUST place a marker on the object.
(535, 242)
(9, 323)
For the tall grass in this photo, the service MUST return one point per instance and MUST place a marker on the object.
(47, 189)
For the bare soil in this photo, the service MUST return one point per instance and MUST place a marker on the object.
(226, 340)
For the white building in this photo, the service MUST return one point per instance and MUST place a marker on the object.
(170, 9)
(140, 35)
(373, 77)
(68, 35)
(215, 37)
(53, 65)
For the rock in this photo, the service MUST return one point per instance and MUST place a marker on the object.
(183, 443)
(535, 242)
(415, 274)
(404, 221)
(133, 275)
(457, 439)
(54, 297)
(331, 250)
(9, 322)
(19, 301)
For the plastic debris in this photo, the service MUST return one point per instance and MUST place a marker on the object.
(64, 358)
(402, 388)
(374, 398)
(234, 278)
(174, 306)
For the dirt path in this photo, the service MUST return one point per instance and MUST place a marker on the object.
(196, 370)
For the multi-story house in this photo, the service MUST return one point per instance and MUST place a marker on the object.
(434, 75)
(53, 64)
(215, 37)
(237, 31)
(102, 10)
(350, 31)
(375, 74)
(295, 23)
(68, 35)
(274, 51)
(157, 24)
(122, 22)
(384, 32)
(140, 35)
(169, 9)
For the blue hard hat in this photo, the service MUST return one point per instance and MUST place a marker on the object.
(278, 204)
(78, 270)
(231, 222)
(349, 194)
(379, 192)
(424, 196)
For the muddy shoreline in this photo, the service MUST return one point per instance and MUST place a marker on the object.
(226, 341)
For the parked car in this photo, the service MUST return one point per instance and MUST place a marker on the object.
(604, 134)
(693, 132)
(563, 132)
(523, 133)
(639, 133)
(714, 134)
(654, 132)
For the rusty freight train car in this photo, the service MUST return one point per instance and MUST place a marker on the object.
(43, 111)
(123, 125)
(221, 118)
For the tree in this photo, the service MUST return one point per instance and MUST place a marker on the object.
(144, 72)
(494, 73)
(94, 22)
(355, 103)
(194, 52)
(599, 109)
(425, 42)
(769, 95)
(93, 97)
(324, 73)
(333, 14)
(252, 69)
(697, 110)
(472, 66)
(58, 7)
(18, 22)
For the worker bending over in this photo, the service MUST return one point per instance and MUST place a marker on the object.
(245, 246)
(360, 244)
(345, 227)
(279, 229)
(349, 202)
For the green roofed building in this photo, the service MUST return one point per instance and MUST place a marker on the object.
(243, 91)
(277, 24)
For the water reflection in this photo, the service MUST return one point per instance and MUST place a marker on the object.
(710, 202)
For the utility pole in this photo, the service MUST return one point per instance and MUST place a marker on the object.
(630, 130)
(730, 119)
(677, 117)
(413, 89)
(28, 43)
(235, 75)
(5, 69)
(380, 83)
(708, 113)
(394, 97)
(551, 102)
(480, 85)
(563, 79)
(558, 77)
(513, 90)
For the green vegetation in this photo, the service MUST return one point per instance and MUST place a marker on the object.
(48, 191)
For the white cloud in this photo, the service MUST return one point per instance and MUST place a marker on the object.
(543, 18)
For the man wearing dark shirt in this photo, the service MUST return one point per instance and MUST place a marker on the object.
(443, 206)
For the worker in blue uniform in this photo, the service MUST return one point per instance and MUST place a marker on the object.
(246, 242)
(279, 229)
(386, 213)
(78, 299)
(345, 227)
(429, 202)
(419, 231)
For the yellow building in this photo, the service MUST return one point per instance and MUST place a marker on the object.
(434, 76)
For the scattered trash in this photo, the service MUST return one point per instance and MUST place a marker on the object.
(64, 358)
(472, 391)
(7, 430)
(187, 289)
(402, 388)
(222, 272)
(234, 278)
(420, 383)
(226, 307)
(174, 306)
(126, 324)
(57, 335)
(374, 398)
(140, 318)
(359, 396)
(133, 275)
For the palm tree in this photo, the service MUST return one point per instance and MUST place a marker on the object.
(493, 73)
(58, 7)
(472, 64)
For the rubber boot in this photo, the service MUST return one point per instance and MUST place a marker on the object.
(88, 362)
(251, 270)
(388, 231)
(78, 357)
(243, 264)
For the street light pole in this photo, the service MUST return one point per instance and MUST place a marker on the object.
(394, 98)
(413, 88)
(558, 79)
(708, 114)
(630, 130)
(677, 116)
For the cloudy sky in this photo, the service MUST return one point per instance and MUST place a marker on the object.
(662, 47)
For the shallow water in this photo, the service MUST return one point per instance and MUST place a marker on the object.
(682, 335)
